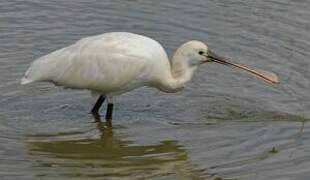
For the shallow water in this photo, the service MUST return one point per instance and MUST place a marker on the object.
(225, 124)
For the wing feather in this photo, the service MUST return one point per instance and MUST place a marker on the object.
(107, 62)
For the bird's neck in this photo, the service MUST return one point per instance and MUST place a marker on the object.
(180, 74)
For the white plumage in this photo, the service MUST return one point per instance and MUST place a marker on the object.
(107, 63)
(113, 63)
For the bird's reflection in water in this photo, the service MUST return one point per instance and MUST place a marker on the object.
(107, 156)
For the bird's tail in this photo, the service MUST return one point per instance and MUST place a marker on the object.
(24, 80)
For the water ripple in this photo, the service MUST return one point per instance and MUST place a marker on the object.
(223, 125)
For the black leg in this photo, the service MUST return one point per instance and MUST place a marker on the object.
(98, 104)
(108, 115)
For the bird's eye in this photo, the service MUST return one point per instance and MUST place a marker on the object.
(200, 52)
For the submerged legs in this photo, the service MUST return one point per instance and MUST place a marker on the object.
(98, 104)
(108, 115)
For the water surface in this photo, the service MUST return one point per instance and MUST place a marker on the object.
(225, 124)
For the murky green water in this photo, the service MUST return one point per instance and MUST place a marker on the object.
(224, 124)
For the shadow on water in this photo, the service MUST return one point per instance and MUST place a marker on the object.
(106, 156)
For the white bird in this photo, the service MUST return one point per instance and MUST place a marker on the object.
(113, 63)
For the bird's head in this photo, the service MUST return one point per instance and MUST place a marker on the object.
(195, 53)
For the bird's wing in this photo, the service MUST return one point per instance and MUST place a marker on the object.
(88, 68)
(113, 72)
(108, 61)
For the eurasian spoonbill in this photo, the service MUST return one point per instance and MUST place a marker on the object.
(117, 62)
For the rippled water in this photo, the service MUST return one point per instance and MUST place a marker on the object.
(225, 124)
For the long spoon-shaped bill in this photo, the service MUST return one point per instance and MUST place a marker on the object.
(260, 74)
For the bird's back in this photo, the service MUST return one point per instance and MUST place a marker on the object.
(104, 63)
